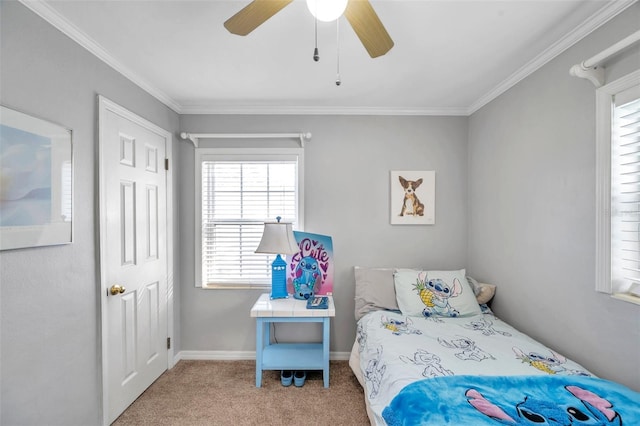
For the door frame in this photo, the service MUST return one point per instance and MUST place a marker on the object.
(104, 106)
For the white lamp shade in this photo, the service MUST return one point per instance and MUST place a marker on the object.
(278, 239)
(327, 10)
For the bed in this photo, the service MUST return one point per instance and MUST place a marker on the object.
(429, 351)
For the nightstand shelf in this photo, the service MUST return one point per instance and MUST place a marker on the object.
(290, 356)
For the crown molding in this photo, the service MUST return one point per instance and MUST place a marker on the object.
(49, 14)
(595, 21)
(607, 12)
(312, 110)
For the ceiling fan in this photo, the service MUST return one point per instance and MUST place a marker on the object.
(360, 14)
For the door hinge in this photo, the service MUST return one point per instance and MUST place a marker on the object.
(168, 342)
(166, 164)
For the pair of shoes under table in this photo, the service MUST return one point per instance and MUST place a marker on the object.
(288, 376)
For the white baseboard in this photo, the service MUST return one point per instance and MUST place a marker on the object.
(238, 355)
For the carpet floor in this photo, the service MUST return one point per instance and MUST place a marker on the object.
(224, 393)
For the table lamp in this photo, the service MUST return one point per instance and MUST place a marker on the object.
(278, 238)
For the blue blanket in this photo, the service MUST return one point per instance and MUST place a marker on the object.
(514, 400)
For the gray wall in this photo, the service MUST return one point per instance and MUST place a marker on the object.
(347, 166)
(50, 341)
(532, 211)
(519, 198)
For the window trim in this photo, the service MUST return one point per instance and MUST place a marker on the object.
(604, 111)
(239, 154)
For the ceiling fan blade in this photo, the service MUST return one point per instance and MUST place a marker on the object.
(253, 15)
(368, 27)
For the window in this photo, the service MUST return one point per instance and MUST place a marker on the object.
(236, 192)
(618, 185)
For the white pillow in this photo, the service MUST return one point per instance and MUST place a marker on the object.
(434, 293)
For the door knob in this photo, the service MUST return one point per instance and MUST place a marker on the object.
(115, 289)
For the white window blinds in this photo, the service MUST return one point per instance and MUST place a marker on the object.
(237, 195)
(625, 190)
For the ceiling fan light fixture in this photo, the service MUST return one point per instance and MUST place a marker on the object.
(327, 10)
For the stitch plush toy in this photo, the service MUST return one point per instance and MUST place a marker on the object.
(307, 274)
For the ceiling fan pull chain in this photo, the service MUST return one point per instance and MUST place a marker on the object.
(316, 56)
(338, 80)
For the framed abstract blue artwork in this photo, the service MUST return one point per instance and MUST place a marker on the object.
(36, 181)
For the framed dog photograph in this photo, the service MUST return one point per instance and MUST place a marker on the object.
(413, 197)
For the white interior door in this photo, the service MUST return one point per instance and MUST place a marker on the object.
(134, 258)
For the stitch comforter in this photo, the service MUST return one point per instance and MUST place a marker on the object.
(477, 370)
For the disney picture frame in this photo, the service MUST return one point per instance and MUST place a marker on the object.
(310, 271)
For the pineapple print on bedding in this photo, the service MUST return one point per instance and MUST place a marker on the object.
(550, 364)
(398, 327)
(426, 295)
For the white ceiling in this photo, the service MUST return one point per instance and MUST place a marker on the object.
(450, 56)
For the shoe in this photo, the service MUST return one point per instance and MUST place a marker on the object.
(299, 377)
(286, 377)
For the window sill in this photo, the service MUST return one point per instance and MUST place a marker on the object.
(263, 287)
(627, 298)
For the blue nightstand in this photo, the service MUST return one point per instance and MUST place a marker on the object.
(290, 356)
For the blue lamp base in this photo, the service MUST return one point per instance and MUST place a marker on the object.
(279, 279)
